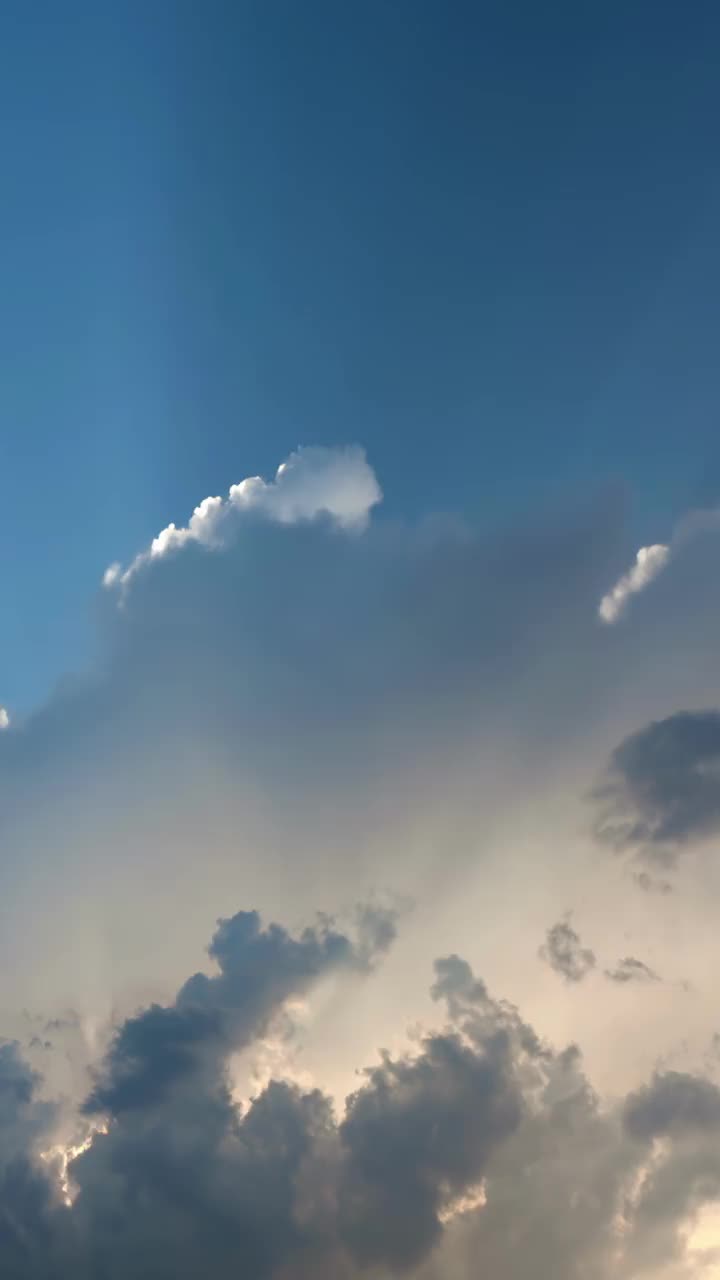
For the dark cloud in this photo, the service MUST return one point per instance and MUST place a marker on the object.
(464, 1154)
(663, 785)
(421, 1130)
(258, 970)
(30, 1209)
(563, 951)
(674, 1103)
(629, 969)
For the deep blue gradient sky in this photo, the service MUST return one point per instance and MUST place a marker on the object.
(480, 239)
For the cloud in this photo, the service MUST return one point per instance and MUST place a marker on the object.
(23, 1117)
(674, 1103)
(291, 707)
(649, 562)
(313, 481)
(465, 1151)
(258, 970)
(564, 952)
(651, 884)
(631, 970)
(662, 787)
(419, 1133)
(4, 718)
(653, 560)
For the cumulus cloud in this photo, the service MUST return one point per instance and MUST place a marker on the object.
(563, 951)
(630, 969)
(483, 1146)
(314, 481)
(662, 787)
(258, 970)
(649, 562)
(4, 718)
(420, 1132)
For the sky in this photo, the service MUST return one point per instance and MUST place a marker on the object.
(359, 722)
(231, 229)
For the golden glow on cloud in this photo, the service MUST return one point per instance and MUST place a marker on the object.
(473, 1198)
(61, 1157)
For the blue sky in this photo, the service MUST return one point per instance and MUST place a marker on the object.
(480, 240)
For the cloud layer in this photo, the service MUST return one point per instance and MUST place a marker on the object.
(292, 703)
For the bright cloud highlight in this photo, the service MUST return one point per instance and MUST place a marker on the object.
(649, 562)
(335, 482)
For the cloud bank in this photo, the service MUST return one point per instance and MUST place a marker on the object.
(296, 701)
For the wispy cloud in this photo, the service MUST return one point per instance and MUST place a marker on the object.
(630, 969)
(563, 951)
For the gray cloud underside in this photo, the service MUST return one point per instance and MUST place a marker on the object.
(663, 785)
(305, 687)
(181, 1182)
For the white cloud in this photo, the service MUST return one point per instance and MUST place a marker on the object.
(649, 562)
(313, 481)
(4, 718)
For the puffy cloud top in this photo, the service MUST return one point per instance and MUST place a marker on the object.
(467, 1150)
(314, 481)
